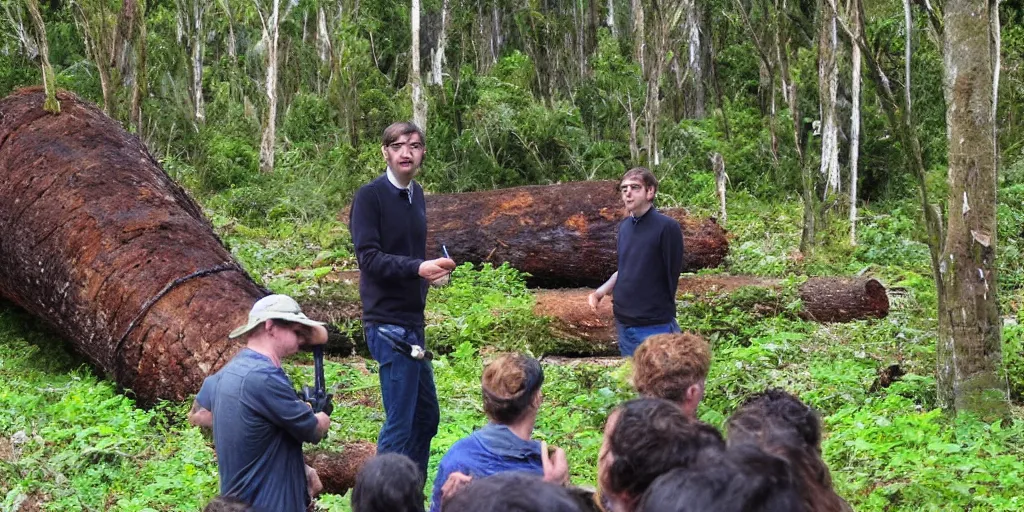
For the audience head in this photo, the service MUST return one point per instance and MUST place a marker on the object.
(645, 438)
(673, 367)
(780, 424)
(388, 483)
(512, 492)
(781, 409)
(227, 504)
(742, 479)
(511, 388)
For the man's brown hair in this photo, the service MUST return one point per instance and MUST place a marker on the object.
(643, 174)
(666, 365)
(396, 130)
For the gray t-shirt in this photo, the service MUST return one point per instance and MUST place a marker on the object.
(259, 425)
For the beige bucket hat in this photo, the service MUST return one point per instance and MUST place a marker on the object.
(274, 307)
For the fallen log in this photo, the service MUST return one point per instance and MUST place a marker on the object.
(825, 299)
(562, 234)
(99, 243)
(338, 470)
(577, 330)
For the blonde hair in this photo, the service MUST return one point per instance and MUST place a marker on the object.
(509, 384)
(666, 365)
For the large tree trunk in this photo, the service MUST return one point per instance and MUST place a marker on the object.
(825, 299)
(694, 86)
(563, 235)
(110, 252)
(969, 355)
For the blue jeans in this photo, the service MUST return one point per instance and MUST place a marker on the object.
(407, 389)
(630, 337)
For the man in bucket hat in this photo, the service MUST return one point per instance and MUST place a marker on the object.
(258, 421)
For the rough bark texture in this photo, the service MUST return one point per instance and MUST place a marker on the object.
(825, 299)
(338, 470)
(564, 234)
(969, 352)
(94, 236)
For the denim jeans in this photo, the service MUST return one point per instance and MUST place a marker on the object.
(630, 337)
(407, 389)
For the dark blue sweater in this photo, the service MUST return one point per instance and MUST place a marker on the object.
(650, 261)
(390, 238)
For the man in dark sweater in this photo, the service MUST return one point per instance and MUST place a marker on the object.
(389, 230)
(650, 248)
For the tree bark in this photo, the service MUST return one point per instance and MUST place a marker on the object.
(695, 95)
(563, 234)
(111, 253)
(969, 355)
(718, 163)
(610, 19)
(419, 103)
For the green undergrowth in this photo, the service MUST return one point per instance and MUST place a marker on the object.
(70, 441)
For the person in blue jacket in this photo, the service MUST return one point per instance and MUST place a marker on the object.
(511, 394)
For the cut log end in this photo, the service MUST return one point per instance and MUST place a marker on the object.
(338, 470)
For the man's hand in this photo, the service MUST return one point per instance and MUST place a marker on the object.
(323, 424)
(313, 484)
(200, 416)
(556, 467)
(432, 270)
(594, 299)
(456, 481)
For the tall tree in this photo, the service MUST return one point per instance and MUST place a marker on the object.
(191, 35)
(828, 86)
(436, 76)
(49, 81)
(419, 102)
(969, 354)
(854, 15)
(665, 16)
(969, 351)
(270, 19)
(115, 42)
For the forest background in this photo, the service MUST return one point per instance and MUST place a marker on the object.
(270, 114)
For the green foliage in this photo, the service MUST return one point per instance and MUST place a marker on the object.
(487, 307)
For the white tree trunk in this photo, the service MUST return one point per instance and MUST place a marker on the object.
(909, 23)
(271, 33)
(695, 63)
(198, 10)
(232, 51)
(437, 56)
(828, 84)
(854, 125)
(718, 163)
(610, 20)
(419, 102)
(639, 40)
(323, 38)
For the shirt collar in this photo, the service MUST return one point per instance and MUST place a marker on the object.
(637, 219)
(500, 439)
(394, 182)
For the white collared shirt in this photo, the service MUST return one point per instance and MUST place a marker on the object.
(394, 181)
